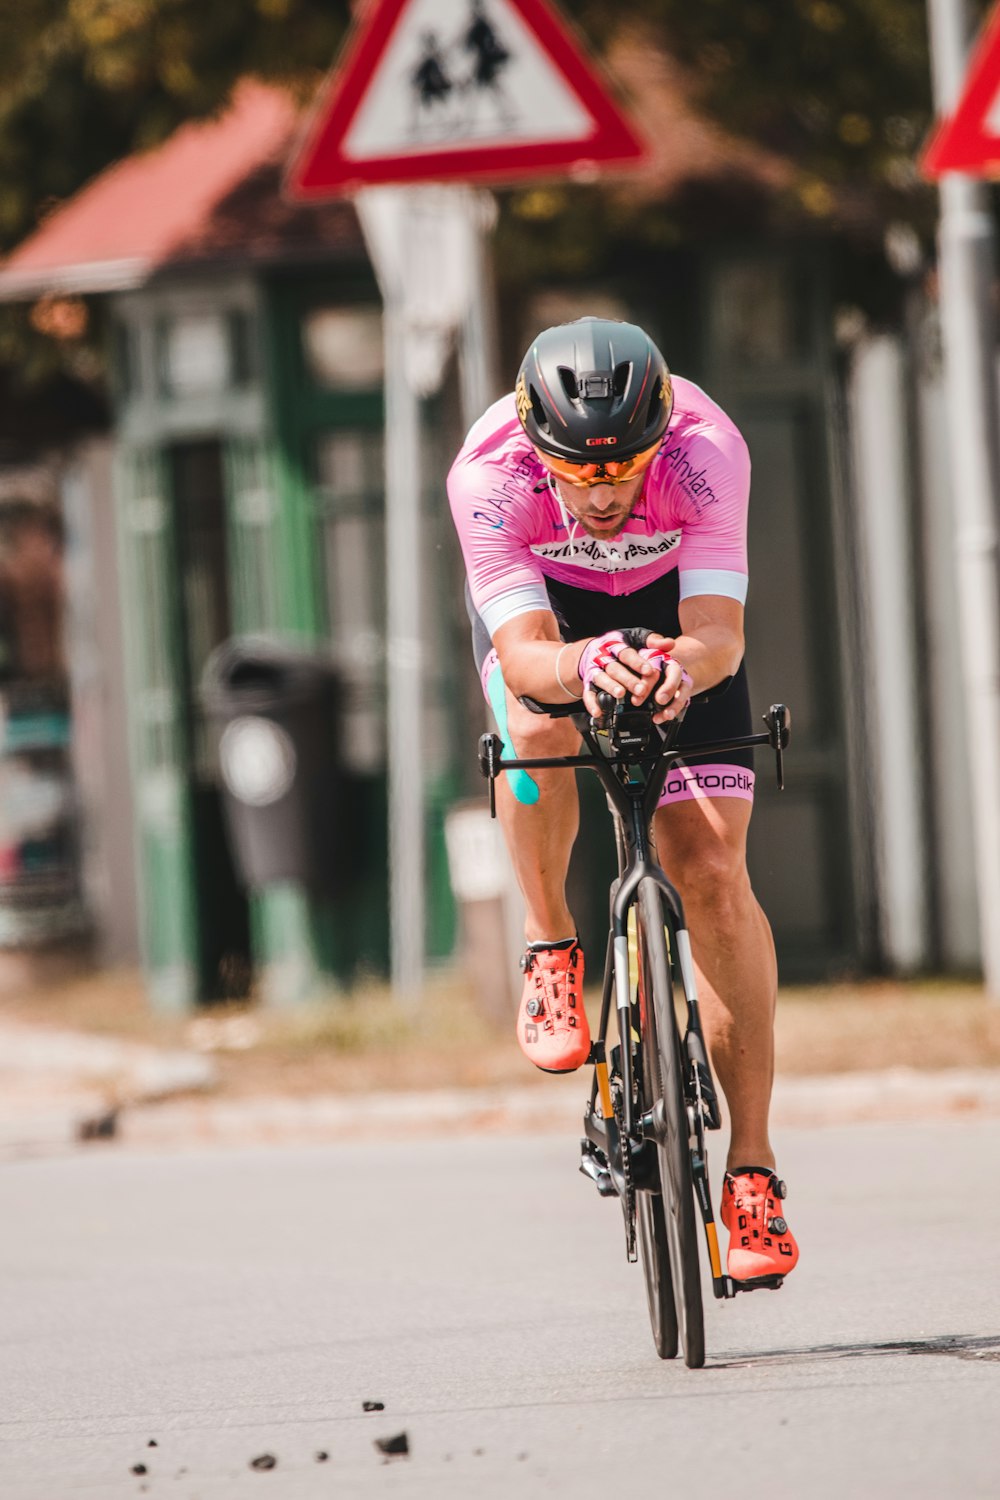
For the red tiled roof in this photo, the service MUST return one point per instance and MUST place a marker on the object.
(185, 200)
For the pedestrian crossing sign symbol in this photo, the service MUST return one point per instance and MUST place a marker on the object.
(459, 90)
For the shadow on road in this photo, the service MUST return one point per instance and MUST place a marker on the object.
(951, 1346)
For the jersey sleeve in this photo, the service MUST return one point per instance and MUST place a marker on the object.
(712, 472)
(492, 515)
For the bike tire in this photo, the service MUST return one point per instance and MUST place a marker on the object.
(651, 1230)
(661, 1042)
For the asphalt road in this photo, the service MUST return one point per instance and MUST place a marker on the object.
(230, 1304)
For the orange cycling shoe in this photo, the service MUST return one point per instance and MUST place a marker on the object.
(760, 1241)
(552, 1027)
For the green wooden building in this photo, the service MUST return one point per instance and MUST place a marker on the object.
(246, 358)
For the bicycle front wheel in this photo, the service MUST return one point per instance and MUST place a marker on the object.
(662, 1046)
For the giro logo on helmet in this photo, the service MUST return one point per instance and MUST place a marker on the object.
(607, 442)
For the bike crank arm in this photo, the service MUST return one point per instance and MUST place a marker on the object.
(722, 1286)
(702, 1191)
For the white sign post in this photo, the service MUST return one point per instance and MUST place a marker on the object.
(966, 256)
(424, 244)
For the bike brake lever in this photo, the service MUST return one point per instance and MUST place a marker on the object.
(490, 753)
(779, 726)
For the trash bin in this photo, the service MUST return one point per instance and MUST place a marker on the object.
(274, 710)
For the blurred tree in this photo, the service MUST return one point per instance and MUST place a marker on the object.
(839, 88)
(84, 82)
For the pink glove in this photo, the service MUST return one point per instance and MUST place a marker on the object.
(662, 660)
(603, 649)
(598, 653)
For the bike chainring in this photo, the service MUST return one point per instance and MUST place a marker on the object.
(628, 1195)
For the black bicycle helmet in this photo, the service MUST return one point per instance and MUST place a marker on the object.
(594, 389)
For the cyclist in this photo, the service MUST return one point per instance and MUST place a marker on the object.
(603, 494)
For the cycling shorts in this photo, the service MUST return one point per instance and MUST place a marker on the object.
(585, 612)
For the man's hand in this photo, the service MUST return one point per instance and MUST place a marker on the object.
(608, 665)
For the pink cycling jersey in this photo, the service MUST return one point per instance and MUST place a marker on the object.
(515, 532)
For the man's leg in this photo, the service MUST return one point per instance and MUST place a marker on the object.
(702, 847)
(540, 836)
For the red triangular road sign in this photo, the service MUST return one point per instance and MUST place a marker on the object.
(970, 141)
(469, 90)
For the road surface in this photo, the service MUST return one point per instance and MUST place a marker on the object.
(232, 1304)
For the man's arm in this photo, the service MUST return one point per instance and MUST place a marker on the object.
(537, 663)
(530, 650)
(710, 646)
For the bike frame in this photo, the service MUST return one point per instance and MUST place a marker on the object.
(633, 783)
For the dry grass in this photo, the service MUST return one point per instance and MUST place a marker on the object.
(369, 1041)
(882, 1024)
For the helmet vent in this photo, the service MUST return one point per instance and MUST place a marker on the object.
(621, 378)
(569, 383)
(538, 410)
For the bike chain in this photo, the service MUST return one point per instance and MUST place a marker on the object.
(628, 1198)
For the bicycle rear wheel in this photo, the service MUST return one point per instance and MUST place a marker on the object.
(661, 1045)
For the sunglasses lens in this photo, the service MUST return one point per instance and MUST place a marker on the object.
(614, 471)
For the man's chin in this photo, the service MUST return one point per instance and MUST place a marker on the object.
(605, 533)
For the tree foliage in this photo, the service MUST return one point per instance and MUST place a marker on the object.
(838, 88)
(84, 82)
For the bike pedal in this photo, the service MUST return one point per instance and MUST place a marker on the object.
(757, 1283)
(592, 1166)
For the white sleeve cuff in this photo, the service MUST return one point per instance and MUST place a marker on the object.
(714, 581)
(518, 602)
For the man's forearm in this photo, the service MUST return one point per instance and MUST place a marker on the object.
(546, 670)
(714, 653)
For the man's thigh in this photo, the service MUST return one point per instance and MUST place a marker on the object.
(704, 840)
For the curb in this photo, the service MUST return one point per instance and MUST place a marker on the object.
(896, 1095)
(58, 1088)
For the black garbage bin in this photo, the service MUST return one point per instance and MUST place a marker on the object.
(274, 709)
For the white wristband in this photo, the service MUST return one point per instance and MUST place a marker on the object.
(559, 675)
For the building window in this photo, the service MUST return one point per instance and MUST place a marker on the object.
(196, 354)
(343, 347)
(756, 312)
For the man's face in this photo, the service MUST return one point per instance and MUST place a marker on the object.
(603, 509)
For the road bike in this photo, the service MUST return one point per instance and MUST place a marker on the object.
(652, 1097)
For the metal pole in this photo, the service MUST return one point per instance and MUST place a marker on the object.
(404, 659)
(477, 336)
(479, 387)
(966, 256)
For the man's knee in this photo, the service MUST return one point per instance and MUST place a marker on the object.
(710, 871)
(538, 735)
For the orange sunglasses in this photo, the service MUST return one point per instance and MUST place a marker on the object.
(607, 471)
